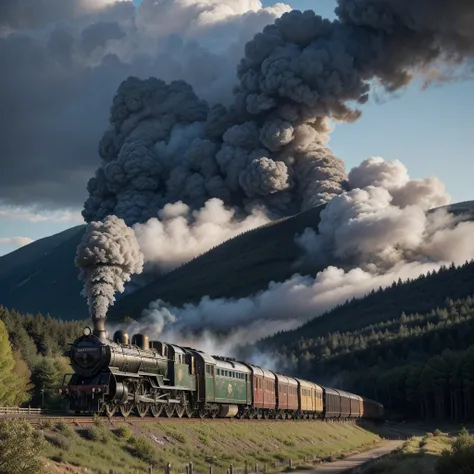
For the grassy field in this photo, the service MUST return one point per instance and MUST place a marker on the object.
(132, 448)
(418, 455)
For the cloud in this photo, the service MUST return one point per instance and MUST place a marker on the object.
(32, 215)
(19, 241)
(65, 60)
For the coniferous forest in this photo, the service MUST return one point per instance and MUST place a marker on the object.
(410, 346)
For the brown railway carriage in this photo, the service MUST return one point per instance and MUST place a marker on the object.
(263, 387)
(345, 403)
(332, 403)
(355, 405)
(372, 409)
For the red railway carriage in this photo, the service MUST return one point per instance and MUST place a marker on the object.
(263, 387)
(287, 393)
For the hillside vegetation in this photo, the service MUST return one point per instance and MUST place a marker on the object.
(409, 346)
(132, 448)
(434, 453)
(32, 361)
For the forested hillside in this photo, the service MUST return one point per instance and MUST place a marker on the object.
(36, 344)
(410, 346)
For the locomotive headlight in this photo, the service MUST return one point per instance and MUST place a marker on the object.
(87, 331)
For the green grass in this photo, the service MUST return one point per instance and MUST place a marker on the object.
(418, 455)
(128, 448)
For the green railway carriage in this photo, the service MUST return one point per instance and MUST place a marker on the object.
(233, 383)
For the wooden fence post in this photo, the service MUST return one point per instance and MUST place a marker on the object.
(231, 469)
(187, 468)
(210, 469)
(191, 468)
(290, 463)
(168, 469)
(256, 468)
(150, 470)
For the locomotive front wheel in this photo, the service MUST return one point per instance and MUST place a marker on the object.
(126, 409)
(110, 410)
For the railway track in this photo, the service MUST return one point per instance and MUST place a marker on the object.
(87, 419)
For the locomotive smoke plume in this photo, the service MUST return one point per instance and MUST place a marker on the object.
(379, 232)
(268, 150)
(269, 147)
(106, 257)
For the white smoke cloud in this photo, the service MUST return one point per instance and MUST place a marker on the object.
(180, 234)
(107, 257)
(383, 231)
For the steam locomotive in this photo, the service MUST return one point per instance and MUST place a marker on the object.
(152, 377)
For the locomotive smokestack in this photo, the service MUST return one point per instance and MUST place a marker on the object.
(99, 329)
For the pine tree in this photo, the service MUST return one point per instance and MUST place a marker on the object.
(12, 385)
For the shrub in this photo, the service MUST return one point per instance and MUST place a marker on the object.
(143, 449)
(65, 429)
(437, 433)
(458, 460)
(58, 440)
(123, 432)
(97, 434)
(20, 448)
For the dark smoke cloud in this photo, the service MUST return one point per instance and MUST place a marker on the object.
(64, 60)
(269, 146)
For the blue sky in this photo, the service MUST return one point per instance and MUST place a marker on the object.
(430, 131)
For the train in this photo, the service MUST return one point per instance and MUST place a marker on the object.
(124, 376)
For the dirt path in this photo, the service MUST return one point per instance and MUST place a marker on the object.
(351, 462)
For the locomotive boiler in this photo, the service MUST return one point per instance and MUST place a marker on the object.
(123, 374)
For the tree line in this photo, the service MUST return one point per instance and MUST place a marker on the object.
(31, 357)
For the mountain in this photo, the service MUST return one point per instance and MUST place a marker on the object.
(42, 276)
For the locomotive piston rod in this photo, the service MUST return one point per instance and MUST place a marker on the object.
(142, 398)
